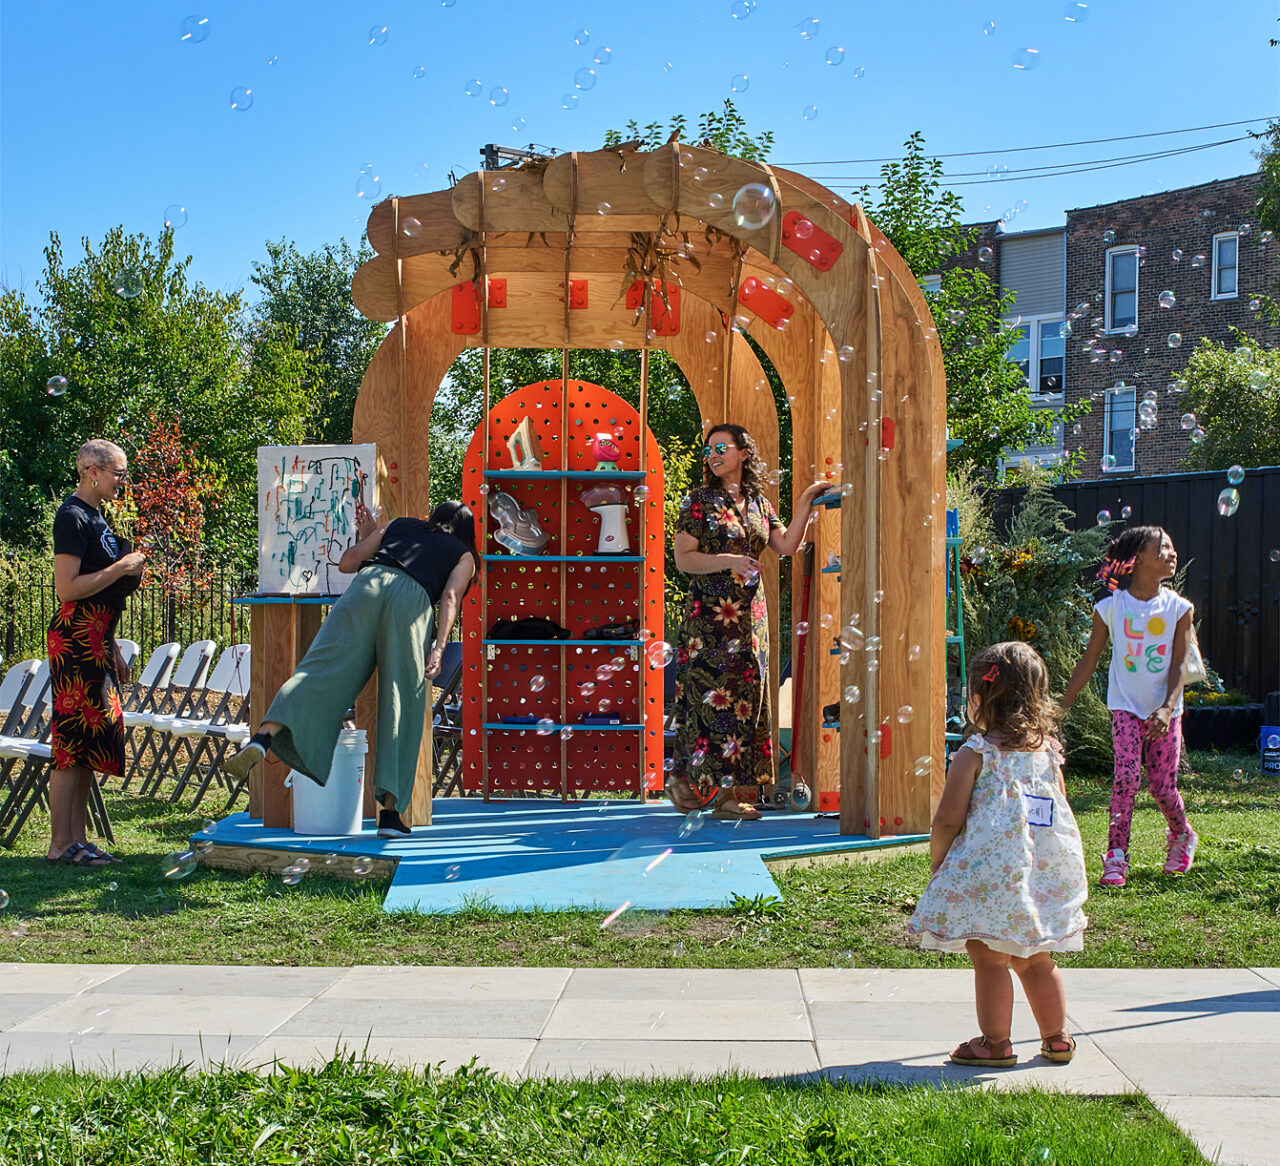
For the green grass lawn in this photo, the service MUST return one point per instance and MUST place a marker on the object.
(1224, 913)
(352, 1113)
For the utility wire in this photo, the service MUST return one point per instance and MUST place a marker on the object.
(1024, 149)
(1063, 169)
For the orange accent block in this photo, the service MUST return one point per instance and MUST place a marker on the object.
(888, 432)
(465, 309)
(663, 321)
(810, 241)
(577, 293)
(771, 307)
(497, 293)
(828, 801)
(886, 738)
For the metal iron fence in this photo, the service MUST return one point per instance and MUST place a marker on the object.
(151, 617)
(1231, 576)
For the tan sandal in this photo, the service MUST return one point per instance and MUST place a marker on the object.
(1059, 1056)
(736, 812)
(683, 796)
(1001, 1053)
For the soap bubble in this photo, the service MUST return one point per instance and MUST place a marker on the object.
(985, 254)
(241, 98)
(913, 653)
(923, 766)
(361, 865)
(1076, 13)
(1176, 255)
(473, 87)
(546, 726)
(659, 654)
(1237, 774)
(1273, 742)
(1108, 237)
(1228, 502)
(566, 734)
(1274, 556)
(55, 386)
(1108, 461)
(753, 206)
(603, 55)
(4, 900)
(1188, 421)
(193, 29)
(1255, 304)
(537, 682)
(802, 628)
(499, 96)
(179, 864)
(584, 79)
(1026, 59)
(715, 200)
(808, 28)
(111, 886)
(126, 284)
(809, 112)
(693, 822)
(378, 34)
(906, 714)
(1198, 261)
(852, 694)
(419, 71)
(740, 83)
(845, 353)
(989, 28)
(741, 9)
(1126, 511)
(569, 101)
(1039, 1156)
(175, 216)
(1197, 435)
(410, 227)
(291, 876)
(997, 170)
(368, 184)
(1166, 299)
(587, 688)
(1235, 475)
(835, 55)
(1174, 340)
(452, 872)
(1104, 516)
(859, 73)
(581, 36)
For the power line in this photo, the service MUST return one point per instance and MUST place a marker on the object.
(1025, 149)
(1062, 170)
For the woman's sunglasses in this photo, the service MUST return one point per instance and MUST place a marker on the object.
(719, 447)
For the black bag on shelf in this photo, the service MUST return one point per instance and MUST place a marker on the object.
(614, 631)
(531, 627)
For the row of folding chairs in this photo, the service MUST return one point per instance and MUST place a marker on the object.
(181, 717)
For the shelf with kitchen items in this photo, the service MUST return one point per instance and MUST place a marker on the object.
(576, 715)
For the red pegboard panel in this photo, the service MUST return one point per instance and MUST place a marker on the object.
(595, 593)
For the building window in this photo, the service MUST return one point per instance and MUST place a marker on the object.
(931, 284)
(1121, 418)
(1019, 352)
(1053, 350)
(1226, 266)
(1122, 289)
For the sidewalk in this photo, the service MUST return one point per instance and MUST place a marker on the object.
(1201, 1044)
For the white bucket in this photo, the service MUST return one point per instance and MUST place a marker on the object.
(337, 807)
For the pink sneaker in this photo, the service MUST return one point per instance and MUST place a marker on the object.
(1182, 851)
(1114, 867)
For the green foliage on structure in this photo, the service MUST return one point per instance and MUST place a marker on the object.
(1235, 396)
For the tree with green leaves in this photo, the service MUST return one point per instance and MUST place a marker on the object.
(134, 338)
(1268, 205)
(988, 400)
(1235, 395)
(308, 297)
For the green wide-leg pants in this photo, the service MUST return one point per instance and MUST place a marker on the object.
(384, 621)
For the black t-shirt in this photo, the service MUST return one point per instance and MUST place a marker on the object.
(80, 530)
(427, 556)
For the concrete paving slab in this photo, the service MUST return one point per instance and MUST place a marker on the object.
(61, 978)
(1226, 1069)
(15, 1007)
(671, 1058)
(735, 1017)
(504, 1056)
(1161, 1025)
(117, 1052)
(216, 1016)
(922, 985)
(1272, 974)
(924, 1063)
(1132, 987)
(890, 1020)
(1234, 1131)
(659, 984)
(356, 1018)
(426, 983)
(217, 980)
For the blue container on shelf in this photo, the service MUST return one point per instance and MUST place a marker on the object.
(1270, 742)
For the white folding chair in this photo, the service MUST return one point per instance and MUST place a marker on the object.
(230, 678)
(11, 690)
(177, 699)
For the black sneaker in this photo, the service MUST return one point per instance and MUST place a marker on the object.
(391, 825)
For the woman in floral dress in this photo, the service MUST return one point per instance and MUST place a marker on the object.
(724, 719)
(94, 572)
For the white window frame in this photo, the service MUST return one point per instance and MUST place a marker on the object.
(1137, 279)
(1111, 395)
(1214, 293)
(931, 285)
(1033, 324)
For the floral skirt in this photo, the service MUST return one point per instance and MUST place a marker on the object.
(88, 722)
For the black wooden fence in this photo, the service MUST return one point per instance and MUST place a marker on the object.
(152, 617)
(1231, 576)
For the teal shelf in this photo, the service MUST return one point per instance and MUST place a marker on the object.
(831, 570)
(566, 643)
(551, 730)
(563, 558)
(955, 542)
(264, 600)
(828, 501)
(572, 475)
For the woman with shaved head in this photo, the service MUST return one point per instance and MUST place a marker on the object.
(94, 572)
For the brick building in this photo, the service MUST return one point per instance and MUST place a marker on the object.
(1113, 262)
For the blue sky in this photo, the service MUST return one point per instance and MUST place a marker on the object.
(107, 117)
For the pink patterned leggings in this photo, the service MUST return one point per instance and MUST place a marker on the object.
(1161, 759)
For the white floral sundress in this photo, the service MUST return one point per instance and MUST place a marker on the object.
(1014, 877)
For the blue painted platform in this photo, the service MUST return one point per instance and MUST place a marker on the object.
(522, 855)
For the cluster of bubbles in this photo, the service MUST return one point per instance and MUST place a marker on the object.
(584, 79)
(368, 183)
(1229, 497)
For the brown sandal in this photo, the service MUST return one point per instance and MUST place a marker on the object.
(1001, 1057)
(736, 812)
(1059, 1056)
(683, 796)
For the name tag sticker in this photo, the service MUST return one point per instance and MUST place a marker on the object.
(1039, 810)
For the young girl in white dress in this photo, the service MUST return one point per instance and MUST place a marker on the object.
(1008, 868)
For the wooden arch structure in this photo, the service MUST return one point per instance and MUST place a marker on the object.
(537, 257)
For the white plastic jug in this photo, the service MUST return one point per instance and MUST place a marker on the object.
(337, 807)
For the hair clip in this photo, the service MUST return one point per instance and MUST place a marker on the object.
(992, 673)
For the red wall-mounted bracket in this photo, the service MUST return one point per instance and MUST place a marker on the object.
(465, 305)
(497, 292)
(577, 293)
(888, 432)
(663, 321)
(810, 241)
(768, 304)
